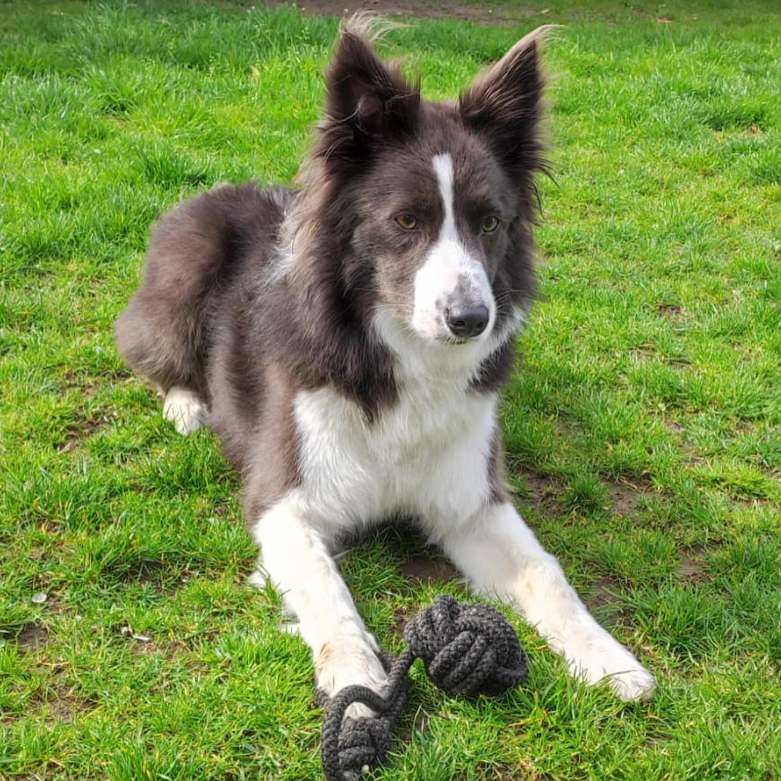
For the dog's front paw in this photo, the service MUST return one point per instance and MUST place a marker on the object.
(605, 660)
(633, 684)
(347, 662)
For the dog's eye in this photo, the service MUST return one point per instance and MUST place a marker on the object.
(407, 221)
(490, 224)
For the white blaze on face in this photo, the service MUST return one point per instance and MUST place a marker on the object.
(450, 274)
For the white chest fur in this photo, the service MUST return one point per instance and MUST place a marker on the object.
(426, 456)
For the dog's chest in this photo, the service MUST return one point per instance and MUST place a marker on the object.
(426, 456)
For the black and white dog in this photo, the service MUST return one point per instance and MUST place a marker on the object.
(346, 341)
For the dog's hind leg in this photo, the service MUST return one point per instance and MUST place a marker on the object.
(161, 333)
(183, 407)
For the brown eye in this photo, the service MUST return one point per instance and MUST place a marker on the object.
(407, 221)
(490, 224)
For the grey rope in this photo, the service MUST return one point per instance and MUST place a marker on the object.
(467, 649)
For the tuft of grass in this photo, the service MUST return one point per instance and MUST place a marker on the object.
(586, 493)
(642, 428)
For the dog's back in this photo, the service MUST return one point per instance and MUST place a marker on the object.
(196, 250)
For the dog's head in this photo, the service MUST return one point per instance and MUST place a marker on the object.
(432, 203)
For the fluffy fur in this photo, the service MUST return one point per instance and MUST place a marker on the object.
(346, 340)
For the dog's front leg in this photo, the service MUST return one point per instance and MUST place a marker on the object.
(501, 556)
(296, 559)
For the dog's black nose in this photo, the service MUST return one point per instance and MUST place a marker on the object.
(466, 320)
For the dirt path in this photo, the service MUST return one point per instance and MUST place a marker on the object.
(432, 10)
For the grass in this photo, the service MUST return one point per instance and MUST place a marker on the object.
(643, 428)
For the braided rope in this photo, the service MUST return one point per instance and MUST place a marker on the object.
(467, 649)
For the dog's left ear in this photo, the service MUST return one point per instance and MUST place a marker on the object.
(505, 105)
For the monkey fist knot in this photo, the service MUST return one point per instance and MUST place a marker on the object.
(467, 649)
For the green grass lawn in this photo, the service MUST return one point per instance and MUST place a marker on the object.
(643, 428)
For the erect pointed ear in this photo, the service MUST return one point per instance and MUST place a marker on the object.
(505, 105)
(369, 102)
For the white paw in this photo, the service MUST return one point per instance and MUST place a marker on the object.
(184, 409)
(604, 659)
(633, 684)
(347, 662)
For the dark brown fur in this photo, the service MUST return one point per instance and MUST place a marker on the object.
(206, 317)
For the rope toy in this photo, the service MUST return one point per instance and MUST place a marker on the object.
(467, 649)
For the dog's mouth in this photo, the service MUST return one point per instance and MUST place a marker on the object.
(454, 340)
(447, 339)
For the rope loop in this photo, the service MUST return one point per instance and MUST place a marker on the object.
(467, 649)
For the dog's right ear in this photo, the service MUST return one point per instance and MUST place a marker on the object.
(369, 103)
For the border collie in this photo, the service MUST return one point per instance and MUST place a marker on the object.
(346, 340)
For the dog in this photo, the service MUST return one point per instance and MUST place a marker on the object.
(346, 341)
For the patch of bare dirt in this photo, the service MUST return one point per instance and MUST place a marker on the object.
(543, 491)
(672, 311)
(32, 638)
(625, 497)
(420, 8)
(678, 429)
(83, 427)
(61, 706)
(145, 571)
(422, 569)
(644, 352)
(401, 617)
(601, 593)
(692, 567)
(602, 601)
(62, 709)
